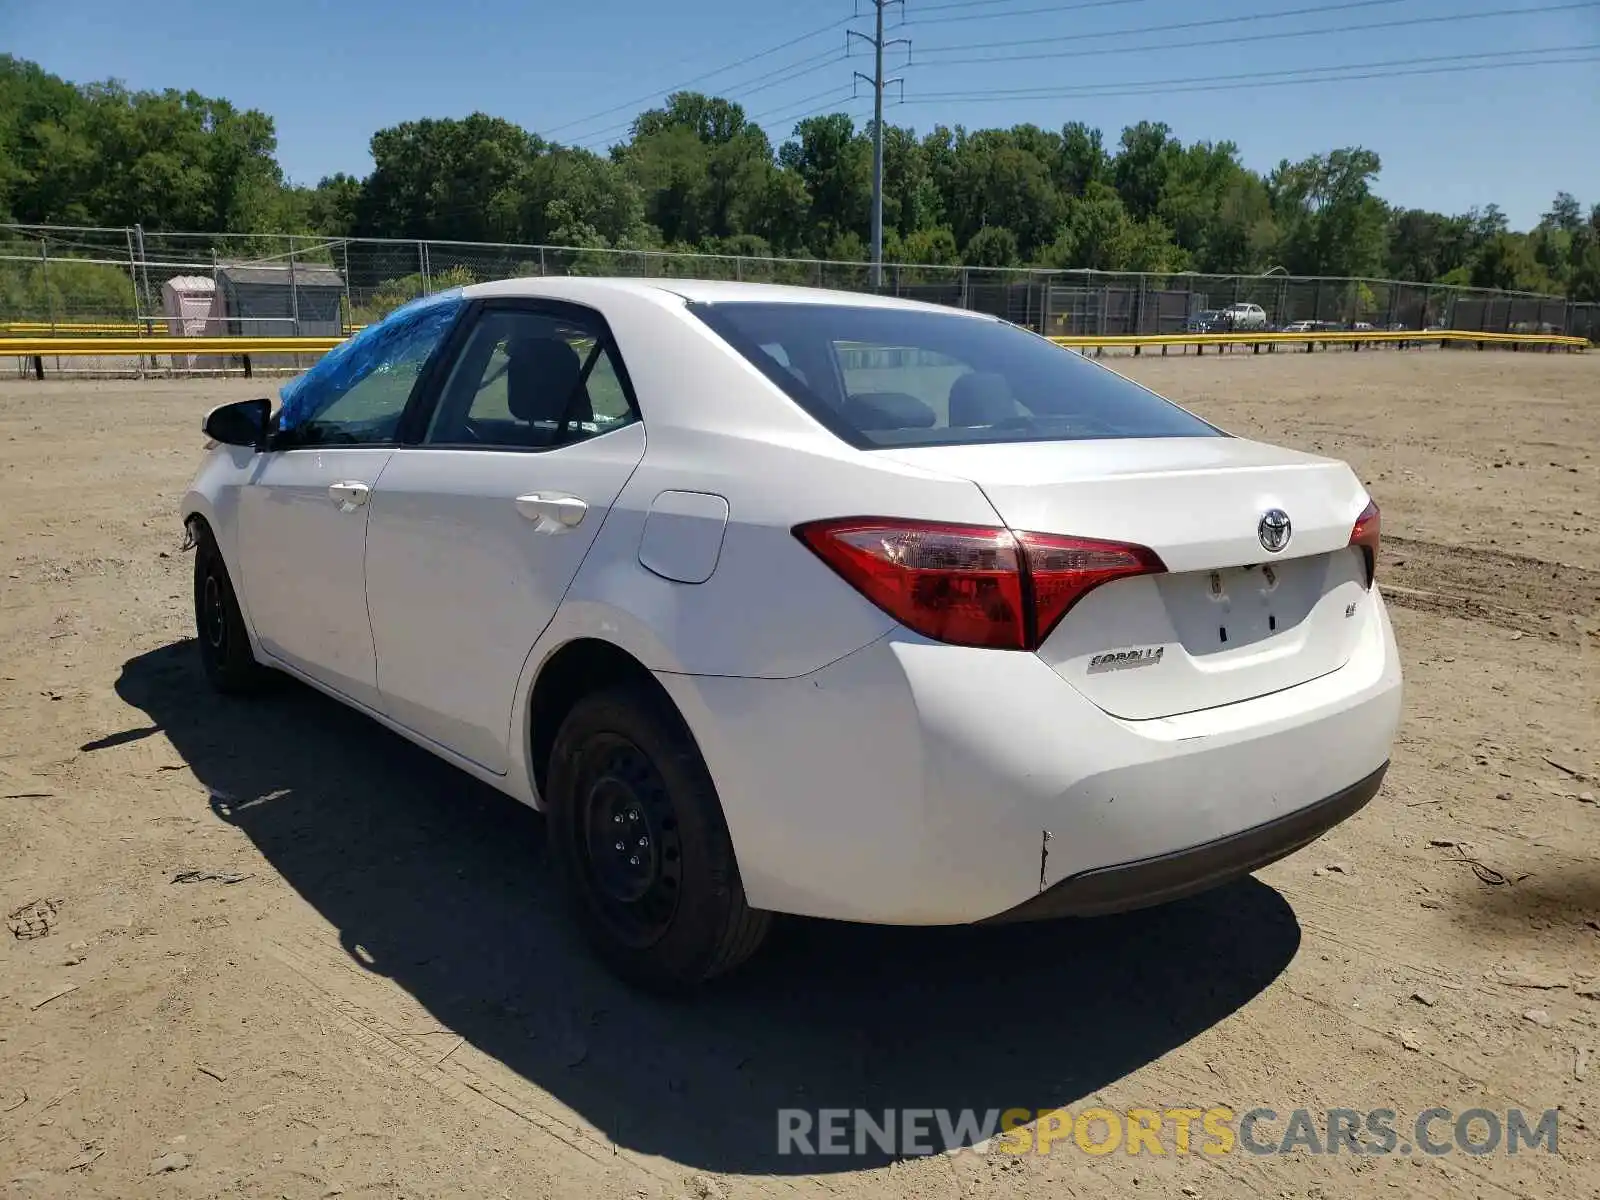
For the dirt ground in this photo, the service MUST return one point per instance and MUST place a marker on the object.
(284, 953)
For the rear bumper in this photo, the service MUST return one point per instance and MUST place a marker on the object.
(923, 784)
(1164, 877)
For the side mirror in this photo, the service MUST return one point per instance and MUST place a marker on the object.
(242, 423)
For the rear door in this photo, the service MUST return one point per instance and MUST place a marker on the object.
(478, 528)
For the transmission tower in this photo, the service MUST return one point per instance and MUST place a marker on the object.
(876, 79)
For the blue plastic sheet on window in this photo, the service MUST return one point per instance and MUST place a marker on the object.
(409, 332)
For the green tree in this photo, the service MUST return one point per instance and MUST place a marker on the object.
(1101, 235)
(1081, 160)
(101, 154)
(568, 195)
(996, 182)
(1243, 237)
(834, 161)
(1140, 169)
(449, 178)
(930, 247)
(1425, 246)
(332, 205)
(1329, 220)
(991, 246)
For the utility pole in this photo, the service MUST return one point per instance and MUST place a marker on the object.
(877, 81)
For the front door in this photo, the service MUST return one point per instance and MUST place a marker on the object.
(302, 530)
(476, 532)
(303, 514)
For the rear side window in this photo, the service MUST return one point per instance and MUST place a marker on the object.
(904, 377)
(530, 380)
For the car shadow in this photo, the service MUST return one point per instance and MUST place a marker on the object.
(439, 884)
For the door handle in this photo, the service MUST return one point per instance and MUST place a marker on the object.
(565, 511)
(349, 494)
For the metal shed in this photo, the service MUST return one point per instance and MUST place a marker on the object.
(281, 299)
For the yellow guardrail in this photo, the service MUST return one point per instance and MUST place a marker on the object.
(30, 347)
(154, 327)
(1344, 337)
(46, 329)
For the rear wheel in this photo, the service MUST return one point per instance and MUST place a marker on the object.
(638, 836)
(225, 654)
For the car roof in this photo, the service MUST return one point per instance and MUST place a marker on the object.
(593, 289)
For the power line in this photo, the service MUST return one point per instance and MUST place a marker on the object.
(760, 54)
(1077, 7)
(830, 97)
(840, 102)
(1288, 71)
(1169, 28)
(745, 87)
(770, 81)
(1298, 75)
(824, 108)
(1048, 9)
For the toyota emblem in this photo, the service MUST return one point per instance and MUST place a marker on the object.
(1274, 530)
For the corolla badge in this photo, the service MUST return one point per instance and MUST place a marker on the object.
(1274, 530)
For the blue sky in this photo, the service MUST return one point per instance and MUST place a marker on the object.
(331, 73)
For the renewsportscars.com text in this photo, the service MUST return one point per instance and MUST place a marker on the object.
(1211, 1131)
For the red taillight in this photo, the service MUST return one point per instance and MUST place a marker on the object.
(1365, 534)
(1065, 569)
(953, 583)
(972, 585)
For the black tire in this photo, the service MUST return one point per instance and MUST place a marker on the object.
(666, 912)
(225, 654)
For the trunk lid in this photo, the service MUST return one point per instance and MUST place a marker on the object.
(1229, 620)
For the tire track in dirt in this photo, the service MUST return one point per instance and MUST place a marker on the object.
(455, 1080)
(1512, 591)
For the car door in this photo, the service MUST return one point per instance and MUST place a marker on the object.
(476, 530)
(303, 512)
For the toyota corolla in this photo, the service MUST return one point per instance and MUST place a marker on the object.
(789, 601)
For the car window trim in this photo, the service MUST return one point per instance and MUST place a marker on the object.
(422, 405)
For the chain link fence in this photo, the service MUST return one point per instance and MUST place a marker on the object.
(85, 280)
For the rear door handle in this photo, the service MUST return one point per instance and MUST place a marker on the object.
(565, 511)
(349, 494)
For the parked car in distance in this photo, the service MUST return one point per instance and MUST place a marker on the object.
(1244, 317)
(1206, 321)
(778, 600)
(1300, 327)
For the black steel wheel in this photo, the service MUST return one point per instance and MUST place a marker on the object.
(638, 837)
(632, 856)
(225, 654)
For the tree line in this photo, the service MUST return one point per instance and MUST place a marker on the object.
(697, 175)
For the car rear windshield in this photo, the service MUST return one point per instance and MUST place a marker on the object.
(905, 377)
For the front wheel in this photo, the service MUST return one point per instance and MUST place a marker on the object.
(225, 654)
(638, 837)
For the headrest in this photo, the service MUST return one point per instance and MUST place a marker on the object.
(981, 398)
(540, 375)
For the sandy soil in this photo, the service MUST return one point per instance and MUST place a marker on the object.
(382, 1003)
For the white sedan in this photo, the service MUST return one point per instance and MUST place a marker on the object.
(791, 601)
